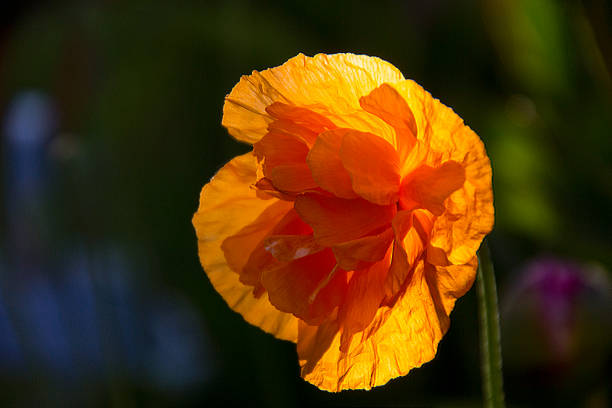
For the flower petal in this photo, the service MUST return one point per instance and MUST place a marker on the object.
(352, 255)
(398, 339)
(240, 247)
(227, 204)
(336, 220)
(287, 248)
(284, 162)
(298, 121)
(334, 81)
(258, 257)
(444, 137)
(386, 103)
(292, 178)
(428, 187)
(373, 166)
(411, 230)
(363, 298)
(469, 211)
(309, 287)
(326, 166)
(449, 283)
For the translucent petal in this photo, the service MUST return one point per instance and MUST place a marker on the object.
(336, 220)
(398, 339)
(227, 204)
(442, 137)
(373, 165)
(326, 166)
(335, 82)
(386, 103)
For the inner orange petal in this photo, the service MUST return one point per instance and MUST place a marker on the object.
(289, 127)
(428, 187)
(287, 248)
(284, 162)
(245, 251)
(360, 252)
(238, 247)
(336, 220)
(373, 165)
(297, 121)
(411, 230)
(292, 178)
(364, 295)
(326, 166)
(386, 103)
(280, 148)
(309, 287)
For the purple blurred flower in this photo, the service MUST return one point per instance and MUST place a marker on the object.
(555, 286)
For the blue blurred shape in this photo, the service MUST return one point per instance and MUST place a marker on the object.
(42, 313)
(30, 122)
(79, 306)
(88, 317)
(180, 355)
(10, 353)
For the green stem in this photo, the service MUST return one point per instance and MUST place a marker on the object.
(490, 345)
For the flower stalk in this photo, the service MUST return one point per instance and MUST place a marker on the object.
(490, 344)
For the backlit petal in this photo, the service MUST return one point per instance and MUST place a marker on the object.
(469, 211)
(336, 220)
(386, 103)
(259, 258)
(238, 248)
(309, 287)
(352, 255)
(326, 166)
(363, 298)
(447, 284)
(284, 162)
(411, 230)
(335, 82)
(298, 121)
(287, 248)
(227, 204)
(428, 187)
(398, 339)
(373, 165)
(292, 178)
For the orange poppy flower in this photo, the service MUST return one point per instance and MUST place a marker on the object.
(353, 225)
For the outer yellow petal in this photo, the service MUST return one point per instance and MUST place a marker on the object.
(399, 339)
(334, 84)
(442, 136)
(469, 212)
(227, 204)
(449, 283)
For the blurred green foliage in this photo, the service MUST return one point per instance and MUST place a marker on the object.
(140, 86)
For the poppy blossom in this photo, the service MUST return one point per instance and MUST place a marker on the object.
(353, 225)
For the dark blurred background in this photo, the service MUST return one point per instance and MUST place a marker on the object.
(110, 117)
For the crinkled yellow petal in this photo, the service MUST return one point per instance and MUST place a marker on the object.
(334, 84)
(442, 136)
(399, 339)
(469, 212)
(449, 283)
(228, 203)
